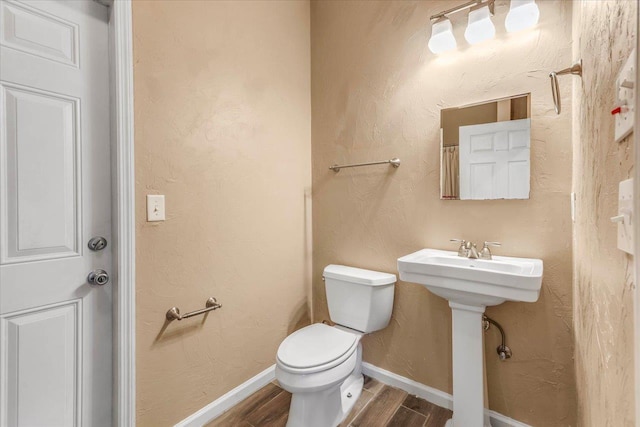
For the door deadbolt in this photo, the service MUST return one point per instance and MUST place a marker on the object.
(98, 277)
(97, 243)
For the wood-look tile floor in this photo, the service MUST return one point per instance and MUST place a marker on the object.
(379, 405)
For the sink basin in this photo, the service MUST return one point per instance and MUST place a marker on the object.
(473, 282)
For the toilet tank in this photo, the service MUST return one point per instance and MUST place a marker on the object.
(359, 299)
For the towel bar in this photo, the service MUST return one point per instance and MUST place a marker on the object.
(174, 312)
(395, 162)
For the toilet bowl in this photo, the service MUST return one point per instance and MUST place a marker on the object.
(321, 365)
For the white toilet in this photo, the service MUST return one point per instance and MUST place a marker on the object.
(320, 364)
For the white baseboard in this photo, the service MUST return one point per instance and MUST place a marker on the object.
(227, 401)
(499, 420)
(430, 394)
(219, 406)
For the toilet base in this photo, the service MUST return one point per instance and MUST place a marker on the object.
(350, 391)
(327, 408)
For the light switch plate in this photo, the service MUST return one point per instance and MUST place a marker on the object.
(625, 87)
(625, 208)
(155, 207)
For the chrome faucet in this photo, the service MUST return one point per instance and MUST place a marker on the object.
(469, 249)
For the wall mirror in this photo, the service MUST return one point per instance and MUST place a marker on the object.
(485, 150)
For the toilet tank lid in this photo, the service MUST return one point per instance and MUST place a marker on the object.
(358, 275)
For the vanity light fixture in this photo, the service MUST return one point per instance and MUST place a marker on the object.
(480, 27)
(442, 39)
(522, 14)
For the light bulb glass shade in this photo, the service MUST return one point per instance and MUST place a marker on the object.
(480, 27)
(522, 14)
(442, 39)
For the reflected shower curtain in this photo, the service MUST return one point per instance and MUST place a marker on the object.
(450, 173)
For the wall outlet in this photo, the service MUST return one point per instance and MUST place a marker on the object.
(155, 207)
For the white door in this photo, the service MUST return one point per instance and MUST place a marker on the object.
(494, 160)
(55, 328)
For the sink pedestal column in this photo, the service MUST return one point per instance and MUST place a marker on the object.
(468, 373)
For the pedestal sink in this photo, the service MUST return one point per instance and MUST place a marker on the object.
(470, 285)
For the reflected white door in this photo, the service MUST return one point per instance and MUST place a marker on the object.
(55, 329)
(495, 160)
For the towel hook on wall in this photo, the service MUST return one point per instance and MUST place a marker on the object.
(575, 69)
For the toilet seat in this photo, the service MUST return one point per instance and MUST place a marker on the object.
(316, 348)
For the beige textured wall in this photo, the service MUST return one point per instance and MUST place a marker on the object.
(376, 93)
(603, 295)
(222, 111)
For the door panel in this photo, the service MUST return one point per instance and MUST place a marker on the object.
(519, 172)
(55, 332)
(34, 31)
(42, 180)
(55, 194)
(479, 185)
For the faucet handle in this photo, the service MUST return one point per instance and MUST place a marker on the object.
(485, 253)
(462, 250)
